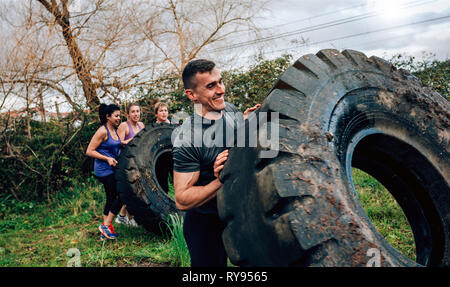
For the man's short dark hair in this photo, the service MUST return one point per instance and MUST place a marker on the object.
(194, 67)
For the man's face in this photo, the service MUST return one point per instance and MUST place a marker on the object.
(209, 91)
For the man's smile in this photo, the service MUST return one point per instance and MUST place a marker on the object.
(219, 99)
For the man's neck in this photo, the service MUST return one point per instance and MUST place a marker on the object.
(210, 115)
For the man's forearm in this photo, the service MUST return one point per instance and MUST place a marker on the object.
(196, 196)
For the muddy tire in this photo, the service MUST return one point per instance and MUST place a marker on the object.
(142, 177)
(338, 110)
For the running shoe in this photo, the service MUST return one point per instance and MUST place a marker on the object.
(132, 222)
(121, 219)
(107, 231)
(111, 227)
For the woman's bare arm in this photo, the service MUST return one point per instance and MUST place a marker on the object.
(99, 136)
(123, 131)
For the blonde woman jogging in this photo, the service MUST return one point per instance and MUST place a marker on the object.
(127, 130)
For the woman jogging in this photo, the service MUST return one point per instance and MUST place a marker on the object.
(126, 131)
(104, 147)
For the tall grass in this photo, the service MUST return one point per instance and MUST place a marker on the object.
(177, 241)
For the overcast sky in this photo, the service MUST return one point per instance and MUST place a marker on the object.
(375, 27)
(381, 28)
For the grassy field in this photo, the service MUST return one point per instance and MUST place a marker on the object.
(41, 234)
(385, 213)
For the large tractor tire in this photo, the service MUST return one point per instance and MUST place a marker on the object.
(142, 177)
(339, 110)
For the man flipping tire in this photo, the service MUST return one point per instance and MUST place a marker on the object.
(199, 154)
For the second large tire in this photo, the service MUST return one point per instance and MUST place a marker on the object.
(338, 111)
(142, 177)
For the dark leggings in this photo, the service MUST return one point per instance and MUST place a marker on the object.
(203, 235)
(113, 203)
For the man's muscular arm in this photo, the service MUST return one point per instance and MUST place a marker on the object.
(188, 196)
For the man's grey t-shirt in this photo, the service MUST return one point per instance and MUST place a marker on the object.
(197, 143)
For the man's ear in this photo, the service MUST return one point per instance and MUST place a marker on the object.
(190, 94)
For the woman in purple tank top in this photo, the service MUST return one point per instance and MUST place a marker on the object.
(127, 130)
(104, 147)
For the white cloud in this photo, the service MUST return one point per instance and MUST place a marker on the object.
(360, 32)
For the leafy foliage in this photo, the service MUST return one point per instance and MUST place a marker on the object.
(246, 88)
(39, 166)
(431, 72)
(168, 89)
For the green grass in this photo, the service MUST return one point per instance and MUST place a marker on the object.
(171, 192)
(41, 234)
(177, 241)
(385, 213)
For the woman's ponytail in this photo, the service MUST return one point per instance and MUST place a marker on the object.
(102, 113)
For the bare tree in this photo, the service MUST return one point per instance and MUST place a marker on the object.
(94, 49)
(183, 29)
(82, 68)
(108, 47)
(33, 61)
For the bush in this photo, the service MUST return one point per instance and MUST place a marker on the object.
(432, 73)
(53, 158)
(248, 87)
